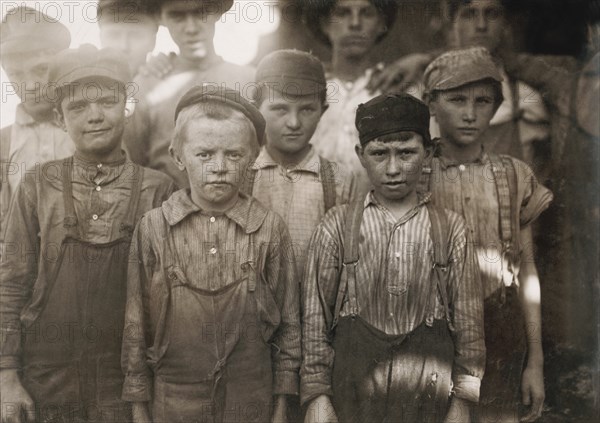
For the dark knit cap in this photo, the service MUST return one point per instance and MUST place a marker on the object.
(26, 30)
(212, 6)
(292, 72)
(391, 113)
(227, 96)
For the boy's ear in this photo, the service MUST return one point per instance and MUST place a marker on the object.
(360, 152)
(129, 107)
(175, 157)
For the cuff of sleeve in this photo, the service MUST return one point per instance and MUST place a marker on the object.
(311, 390)
(10, 362)
(137, 388)
(467, 387)
(286, 383)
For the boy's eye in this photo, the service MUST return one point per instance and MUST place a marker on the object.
(235, 156)
(203, 155)
(484, 100)
(456, 99)
(308, 109)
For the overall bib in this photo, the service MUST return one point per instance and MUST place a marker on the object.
(392, 378)
(217, 364)
(72, 347)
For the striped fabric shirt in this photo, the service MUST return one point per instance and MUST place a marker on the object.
(210, 249)
(469, 189)
(394, 285)
(296, 194)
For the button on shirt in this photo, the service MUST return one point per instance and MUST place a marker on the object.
(296, 194)
(209, 249)
(393, 289)
(35, 230)
(470, 190)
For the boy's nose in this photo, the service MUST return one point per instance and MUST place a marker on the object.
(481, 22)
(394, 166)
(469, 113)
(293, 121)
(96, 114)
(355, 20)
(191, 24)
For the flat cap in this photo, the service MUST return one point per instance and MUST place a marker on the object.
(292, 72)
(456, 68)
(87, 61)
(227, 96)
(391, 113)
(26, 30)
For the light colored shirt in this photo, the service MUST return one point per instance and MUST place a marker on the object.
(296, 194)
(31, 144)
(35, 230)
(394, 285)
(336, 135)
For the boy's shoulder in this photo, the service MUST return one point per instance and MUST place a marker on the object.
(156, 179)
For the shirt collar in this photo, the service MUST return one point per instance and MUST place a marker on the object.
(423, 199)
(310, 163)
(446, 162)
(370, 199)
(100, 173)
(247, 213)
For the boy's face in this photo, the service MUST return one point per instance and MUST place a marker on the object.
(291, 121)
(191, 25)
(480, 23)
(93, 114)
(134, 39)
(394, 167)
(353, 27)
(216, 154)
(464, 113)
(29, 73)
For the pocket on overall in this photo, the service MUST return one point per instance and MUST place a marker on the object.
(53, 386)
(109, 380)
(182, 402)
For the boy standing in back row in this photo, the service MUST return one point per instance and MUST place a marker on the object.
(290, 177)
(499, 197)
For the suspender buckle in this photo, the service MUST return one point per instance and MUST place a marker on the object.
(442, 267)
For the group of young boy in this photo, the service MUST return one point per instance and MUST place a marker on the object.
(273, 275)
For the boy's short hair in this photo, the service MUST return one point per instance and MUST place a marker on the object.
(316, 10)
(217, 6)
(213, 110)
(294, 73)
(451, 6)
(125, 11)
(405, 136)
(460, 67)
(392, 114)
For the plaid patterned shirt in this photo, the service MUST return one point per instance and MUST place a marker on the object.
(394, 275)
(296, 194)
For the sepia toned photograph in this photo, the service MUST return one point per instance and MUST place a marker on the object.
(299, 211)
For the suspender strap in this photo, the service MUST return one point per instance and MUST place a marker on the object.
(504, 200)
(247, 186)
(5, 137)
(327, 175)
(136, 191)
(352, 224)
(70, 220)
(439, 238)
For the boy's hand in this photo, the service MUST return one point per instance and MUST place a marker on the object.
(532, 389)
(459, 411)
(320, 410)
(17, 405)
(402, 73)
(140, 412)
(158, 66)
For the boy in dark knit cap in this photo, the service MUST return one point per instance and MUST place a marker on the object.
(499, 197)
(392, 305)
(213, 301)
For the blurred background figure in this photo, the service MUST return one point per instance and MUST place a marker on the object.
(28, 41)
(128, 26)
